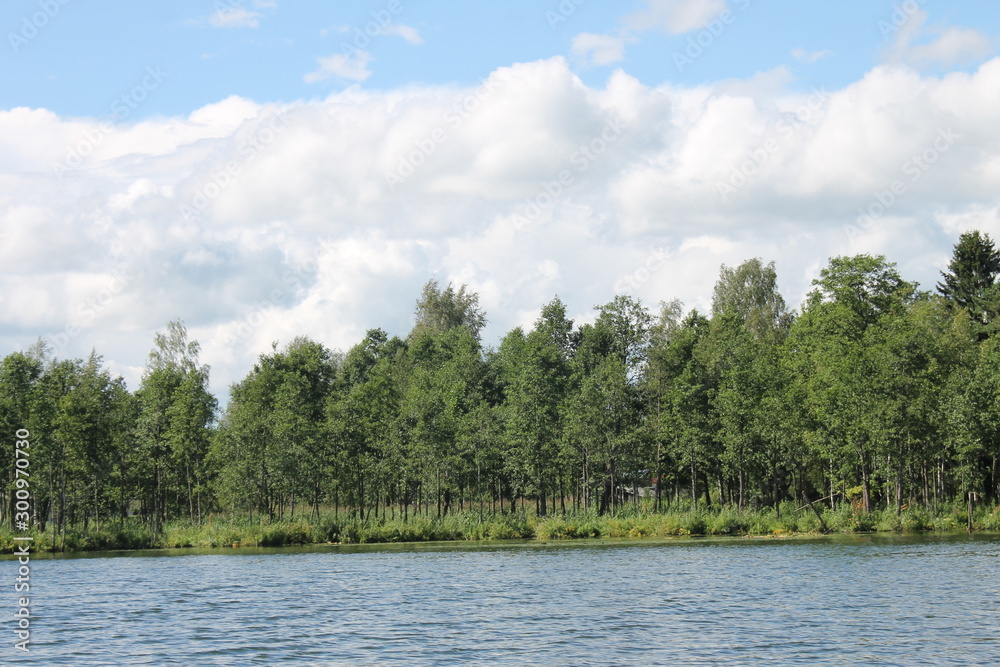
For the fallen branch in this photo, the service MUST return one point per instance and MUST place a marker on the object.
(813, 508)
(833, 495)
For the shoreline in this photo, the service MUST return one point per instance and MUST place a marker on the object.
(479, 545)
(227, 534)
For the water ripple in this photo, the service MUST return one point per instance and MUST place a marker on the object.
(838, 601)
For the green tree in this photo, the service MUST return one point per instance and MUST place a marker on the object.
(76, 421)
(272, 446)
(682, 386)
(748, 324)
(535, 375)
(363, 419)
(444, 376)
(176, 410)
(750, 293)
(831, 340)
(19, 375)
(442, 310)
(970, 280)
(604, 408)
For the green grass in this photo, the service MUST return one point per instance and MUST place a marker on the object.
(632, 522)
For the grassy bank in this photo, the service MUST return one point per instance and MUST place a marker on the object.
(223, 531)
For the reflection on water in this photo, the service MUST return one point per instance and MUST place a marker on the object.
(842, 600)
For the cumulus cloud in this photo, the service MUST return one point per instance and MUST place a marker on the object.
(258, 222)
(352, 67)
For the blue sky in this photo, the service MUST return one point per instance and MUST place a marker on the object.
(263, 169)
(87, 54)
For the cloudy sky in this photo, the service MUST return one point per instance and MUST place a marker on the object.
(263, 169)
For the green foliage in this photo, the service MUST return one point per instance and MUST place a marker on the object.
(440, 311)
(971, 276)
(729, 522)
(877, 398)
(750, 294)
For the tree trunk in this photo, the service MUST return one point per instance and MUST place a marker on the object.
(542, 509)
(865, 488)
(694, 485)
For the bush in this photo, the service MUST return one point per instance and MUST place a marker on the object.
(887, 521)
(284, 534)
(728, 522)
(987, 519)
(916, 519)
(628, 522)
(695, 524)
(809, 523)
(554, 529)
(863, 523)
(510, 527)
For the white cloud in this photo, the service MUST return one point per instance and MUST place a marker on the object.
(338, 65)
(953, 45)
(599, 49)
(983, 218)
(809, 57)
(235, 17)
(671, 16)
(675, 16)
(768, 83)
(301, 234)
(408, 33)
(917, 44)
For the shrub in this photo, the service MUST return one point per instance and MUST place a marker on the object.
(809, 523)
(728, 522)
(916, 519)
(553, 529)
(695, 524)
(987, 519)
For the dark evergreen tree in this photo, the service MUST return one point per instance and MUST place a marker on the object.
(971, 276)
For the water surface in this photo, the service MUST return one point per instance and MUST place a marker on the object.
(837, 601)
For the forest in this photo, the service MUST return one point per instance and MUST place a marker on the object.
(874, 396)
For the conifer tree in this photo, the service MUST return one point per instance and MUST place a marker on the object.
(971, 276)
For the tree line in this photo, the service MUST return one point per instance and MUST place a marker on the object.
(874, 393)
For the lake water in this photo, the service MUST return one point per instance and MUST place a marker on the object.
(836, 601)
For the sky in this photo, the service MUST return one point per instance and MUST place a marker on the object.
(265, 169)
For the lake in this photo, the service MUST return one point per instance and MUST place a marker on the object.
(844, 600)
